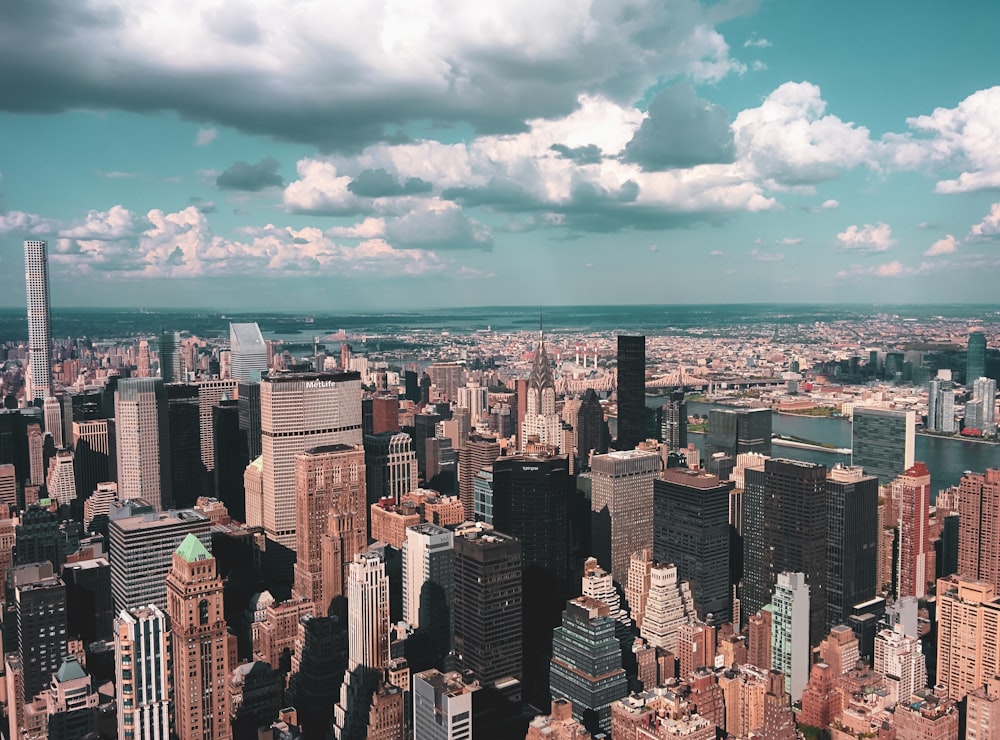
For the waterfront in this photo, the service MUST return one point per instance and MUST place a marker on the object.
(947, 459)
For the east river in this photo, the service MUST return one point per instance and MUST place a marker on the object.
(946, 458)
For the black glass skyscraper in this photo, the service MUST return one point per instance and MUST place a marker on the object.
(184, 422)
(975, 358)
(591, 428)
(852, 542)
(631, 391)
(734, 431)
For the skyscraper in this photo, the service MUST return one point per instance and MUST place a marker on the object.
(586, 665)
(36, 278)
(142, 440)
(541, 422)
(91, 446)
(592, 429)
(852, 539)
(975, 358)
(210, 392)
(667, 604)
(735, 431)
(171, 367)
(367, 612)
(940, 406)
(61, 480)
(477, 453)
(691, 530)
(428, 587)
(390, 466)
(52, 410)
(912, 491)
(883, 442)
(184, 424)
(442, 706)
(40, 612)
(673, 421)
(631, 391)
(300, 411)
(968, 627)
(790, 631)
(979, 526)
(248, 353)
(622, 507)
(329, 490)
(143, 678)
(198, 627)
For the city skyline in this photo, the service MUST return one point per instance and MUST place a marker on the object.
(737, 140)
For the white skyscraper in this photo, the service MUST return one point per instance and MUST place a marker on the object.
(540, 419)
(427, 559)
(668, 605)
(210, 392)
(143, 680)
(898, 657)
(36, 278)
(298, 412)
(248, 353)
(52, 411)
(367, 612)
(790, 631)
(143, 441)
(61, 480)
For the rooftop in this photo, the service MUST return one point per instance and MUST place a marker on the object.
(192, 550)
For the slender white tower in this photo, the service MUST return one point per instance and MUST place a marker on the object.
(36, 278)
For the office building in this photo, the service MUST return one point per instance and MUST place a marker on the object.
(36, 454)
(968, 626)
(171, 363)
(298, 412)
(784, 529)
(447, 378)
(541, 422)
(248, 402)
(210, 393)
(8, 486)
(368, 612)
(390, 466)
(928, 715)
(228, 467)
(899, 659)
(790, 615)
(488, 604)
(443, 706)
(36, 278)
(71, 702)
(691, 530)
(979, 526)
(736, 431)
(883, 442)
(428, 587)
(184, 424)
(631, 391)
(61, 480)
(255, 697)
(666, 605)
(199, 644)
(97, 508)
(89, 602)
(248, 359)
(852, 541)
(591, 429)
(941, 406)
(975, 358)
(586, 666)
(52, 413)
(330, 504)
(530, 501)
(673, 421)
(477, 453)
(92, 448)
(143, 679)
(597, 584)
(142, 441)
(141, 545)
(982, 711)
(912, 491)
(40, 618)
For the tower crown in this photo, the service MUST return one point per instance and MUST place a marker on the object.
(191, 550)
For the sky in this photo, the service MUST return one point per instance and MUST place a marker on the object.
(379, 154)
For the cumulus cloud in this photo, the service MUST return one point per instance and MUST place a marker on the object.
(342, 75)
(205, 206)
(205, 136)
(947, 245)
(380, 184)
(250, 177)
(989, 227)
(370, 228)
(681, 130)
(829, 205)
(868, 238)
(440, 226)
(756, 42)
(790, 140)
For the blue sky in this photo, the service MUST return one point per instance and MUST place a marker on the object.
(367, 155)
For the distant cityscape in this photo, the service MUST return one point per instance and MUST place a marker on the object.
(638, 522)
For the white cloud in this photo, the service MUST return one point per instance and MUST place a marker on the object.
(756, 42)
(766, 256)
(947, 245)
(891, 269)
(205, 136)
(26, 224)
(868, 238)
(790, 140)
(829, 205)
(989, 227)
(788, 241)
(370, 228)
(716, 253)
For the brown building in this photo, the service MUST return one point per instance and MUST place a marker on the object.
(979, 527)
(759, 649)
(839, 650)
(276, 635)
(983, 712)
(329, 480)
(820, 700)
(386, 715)
(385, 414)
(934, 717)
(200, 646)
(743, 689)
(968, 615)
(659, 715)
(389, 521)
(779, 722)
(559, 725)
(695, 647)
(435, 508)
(477, 453)
(706, 696)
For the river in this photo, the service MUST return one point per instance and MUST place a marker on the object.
(947, 459)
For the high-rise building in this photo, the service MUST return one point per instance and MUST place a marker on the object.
(142, 543)
(248, 353)
(586, 666)
(591, 428)
(228, 467)
(784, 529)
(488, 604)
(631, 391)
(941, 406)
(622, 507)
(597, 584)
(979, 526)
(691, 530)
(541, 422)
(530, 501)
(36, 278)
(673, 421)
(442, 706)
(975, 358)
(184, 424)
(968, 626)
(982, 711)
(200, 651)
(142, 441)
(52, 413)
(40, 613)
(735, 431)
(171, 365)
(883, 442)
(330, 504)
(368, 612)
(447, 378)
(143, 680)
(390, 466)
(210, 392)
(899, 659)
(248, 400)
(428, 586)
(790, 631)
(8, 486)
(89, 602)
(91, 445)
(298, 412)
(71, 702)
(61, 480)
(851, 541)
(667, 605)
(912, 490)
(477, 453)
